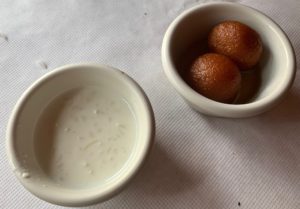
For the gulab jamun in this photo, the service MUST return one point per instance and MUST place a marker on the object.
(216, 77)
(238, 41)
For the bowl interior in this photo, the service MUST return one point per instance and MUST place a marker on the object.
(192, 28)
(34, 102)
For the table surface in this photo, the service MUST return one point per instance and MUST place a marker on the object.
(197, 161)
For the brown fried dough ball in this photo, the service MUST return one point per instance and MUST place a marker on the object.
(215, 76)
(237, 41)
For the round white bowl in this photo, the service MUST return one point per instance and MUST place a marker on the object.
(22, 124)
(278, 60)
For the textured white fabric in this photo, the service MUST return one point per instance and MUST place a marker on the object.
(197, 161)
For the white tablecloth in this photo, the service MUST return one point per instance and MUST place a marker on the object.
(197, 161)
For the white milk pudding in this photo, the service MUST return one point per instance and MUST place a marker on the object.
(84, 136)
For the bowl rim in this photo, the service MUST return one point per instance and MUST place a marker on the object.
(218, 108)
(108, 191)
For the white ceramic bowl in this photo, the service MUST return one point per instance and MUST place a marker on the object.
(278, 60)
(23, 122)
